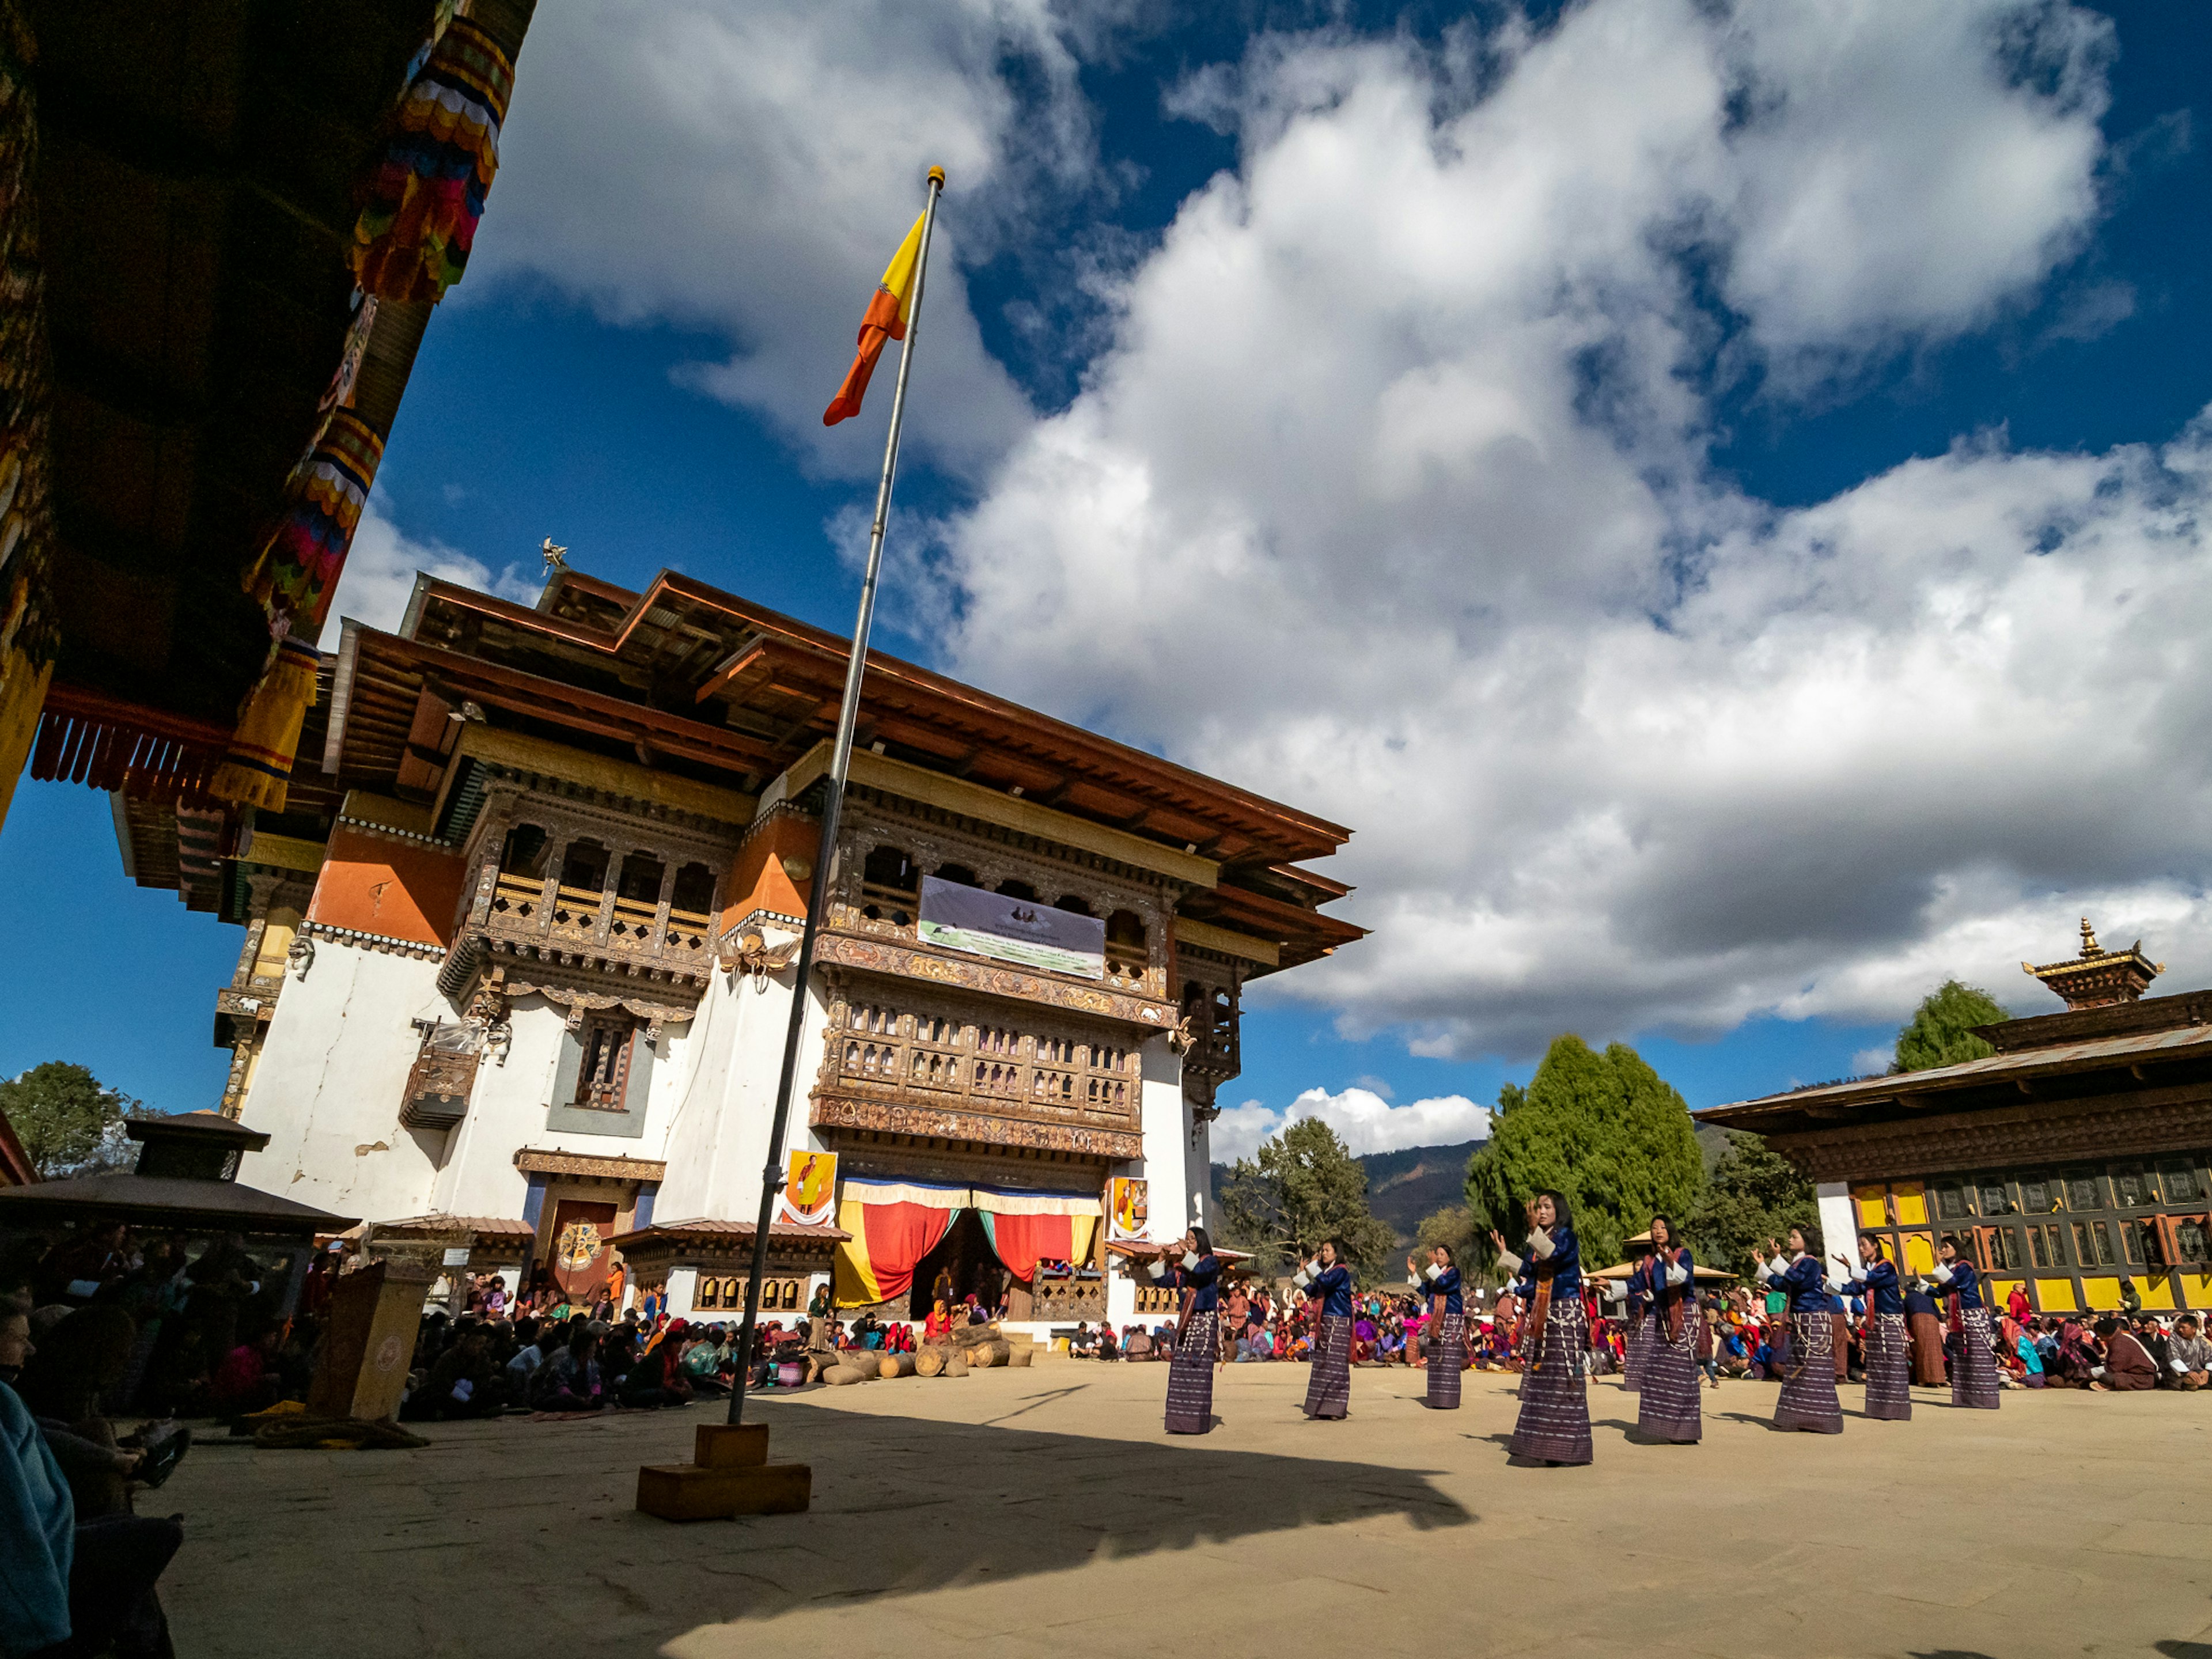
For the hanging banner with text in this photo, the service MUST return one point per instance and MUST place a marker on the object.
(1020, 931)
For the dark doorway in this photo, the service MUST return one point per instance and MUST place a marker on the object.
(965, 1256)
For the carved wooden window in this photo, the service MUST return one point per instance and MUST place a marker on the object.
(2092, 1244)
(1951, 1203)
(2134, 1188)
(1127, 953)
(2082, 1193)
(604, 1075)
(2186, 1243)
(1995, 1201)
(2046, 1245)
(890, 887)
(442, 1078)
(2182, 1186)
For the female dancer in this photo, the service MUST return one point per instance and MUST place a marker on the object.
(1973, 1363)
(1326, 1278)
(1554, 1422)
(1808, 1381)
(1888, 1359)
(1190, 1378)
(1668, 1408)
(1448, 1319)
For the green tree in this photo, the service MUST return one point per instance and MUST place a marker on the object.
(1605, 1130)
(1940, 1031)
(1304, 1186)
(68, 1121)
(1452, 1226)
(1755, 1194)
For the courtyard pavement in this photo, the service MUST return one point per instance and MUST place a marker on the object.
(1036, 1512)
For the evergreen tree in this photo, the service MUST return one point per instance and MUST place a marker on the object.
(1452, 1226)
(1755, 1194)
(1605, 1130)
(1940, 1031)
(1305, 1186)
(68, 1121)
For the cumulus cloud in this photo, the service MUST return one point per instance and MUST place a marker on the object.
(381, 570)
(1391, 497)
(747, 169)
(1364, 1119)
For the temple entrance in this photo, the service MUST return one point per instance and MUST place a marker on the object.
(962, 1264)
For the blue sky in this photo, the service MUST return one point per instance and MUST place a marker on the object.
(1710, 499)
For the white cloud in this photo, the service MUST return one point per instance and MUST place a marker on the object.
(748, 169)
(1390, 498)
(381, 567)
(1365, 1120)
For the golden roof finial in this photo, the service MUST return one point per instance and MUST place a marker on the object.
(2089, 947)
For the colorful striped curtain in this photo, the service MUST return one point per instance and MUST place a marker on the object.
(1027, 1228)
(894, 1224)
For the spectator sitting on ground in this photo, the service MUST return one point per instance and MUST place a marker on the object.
(88, 1583)
(243, 1382)
(2128, 1365)
(1136, 1343)
(570, 1379)
(466, 1382)
(1108, 1347)
(531, 1355)
(2188, 1355)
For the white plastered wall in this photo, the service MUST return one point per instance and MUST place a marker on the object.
(333, 1072)
(1166, 1166)
(719, 1123)
(328, 1090)
(1838, 1222)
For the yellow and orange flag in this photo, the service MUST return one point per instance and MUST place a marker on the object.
(886, 319)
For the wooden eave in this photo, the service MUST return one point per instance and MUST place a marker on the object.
(2148, 1064)
(680, 639)
(1303, 935)
(195, 195)
(386, 679)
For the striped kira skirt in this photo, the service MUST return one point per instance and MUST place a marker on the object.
(1555, 1425)
(1668, 1406)
(1808, 1390)
(1328, 1389)
(1973, 1365)
(1888, 1367)
(1190, 1376)
(1447, 1362)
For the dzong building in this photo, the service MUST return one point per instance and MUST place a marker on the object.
(516, 972)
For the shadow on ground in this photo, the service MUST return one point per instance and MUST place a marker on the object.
(908, 1505)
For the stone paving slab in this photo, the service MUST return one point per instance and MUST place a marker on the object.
(1024, 1513)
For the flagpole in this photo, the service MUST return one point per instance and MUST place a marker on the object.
(841, 761)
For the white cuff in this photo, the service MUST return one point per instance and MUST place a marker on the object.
(1433, 1272)
(1540, 1243)
(1777, 1267)
(1301, 1281)
(1941, 1274)
(1678, 1275)
(1509, 1262)
(2179, 1369)
(1160, 1270)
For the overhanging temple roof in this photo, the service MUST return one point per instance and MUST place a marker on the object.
(2124, 1048)
(198, 172)
(700, 685)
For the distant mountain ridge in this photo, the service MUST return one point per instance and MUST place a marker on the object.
(1405, 1186)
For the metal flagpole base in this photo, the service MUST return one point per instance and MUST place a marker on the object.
(729, 1475)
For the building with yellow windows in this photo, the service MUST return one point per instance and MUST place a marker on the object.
(2070, 1160)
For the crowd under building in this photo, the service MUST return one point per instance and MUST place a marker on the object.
(2071, 1163)
(515, 976)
